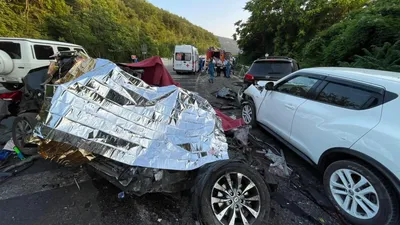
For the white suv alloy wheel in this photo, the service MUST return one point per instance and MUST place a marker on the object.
(247, 113)
(354, 194)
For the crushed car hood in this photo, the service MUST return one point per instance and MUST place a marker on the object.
(109, 112)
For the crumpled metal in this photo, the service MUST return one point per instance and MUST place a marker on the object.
(109, 112)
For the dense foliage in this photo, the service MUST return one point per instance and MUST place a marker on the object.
(319, 32)
(386, 57)
(112, 29)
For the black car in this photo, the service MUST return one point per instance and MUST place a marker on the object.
(271, 68)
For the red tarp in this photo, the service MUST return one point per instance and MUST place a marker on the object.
(227, 122)
(156, 74)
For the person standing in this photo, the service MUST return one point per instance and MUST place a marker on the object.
(211, 69)
(199, 70)
(228, 68)
(219, 67)
(232, 61)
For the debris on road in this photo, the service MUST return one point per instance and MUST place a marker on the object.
(223, 106)
(278, 167)
(242, 135)
(77, 185)
(19, 153)
(9, 145)
(4, 154)
(20, 163)
(226, 93)
(121, 195)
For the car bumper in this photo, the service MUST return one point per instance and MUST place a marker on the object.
(6, 79)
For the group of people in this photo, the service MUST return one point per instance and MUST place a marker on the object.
(217, 65)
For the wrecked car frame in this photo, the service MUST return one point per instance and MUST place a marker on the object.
(147, 139)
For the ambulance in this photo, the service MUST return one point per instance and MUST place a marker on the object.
(186, 59)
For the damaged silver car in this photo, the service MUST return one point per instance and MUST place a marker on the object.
(144, 138)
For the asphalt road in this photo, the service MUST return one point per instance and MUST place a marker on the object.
(47, 193)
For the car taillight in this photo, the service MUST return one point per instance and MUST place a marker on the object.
(11, 96)
(248, 77)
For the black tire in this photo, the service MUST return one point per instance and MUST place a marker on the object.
(388, 211)
(12, 86)
(204, 190)
(28, 119)
(249, 105)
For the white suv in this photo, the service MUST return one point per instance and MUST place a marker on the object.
(21, 56)
(345, 121)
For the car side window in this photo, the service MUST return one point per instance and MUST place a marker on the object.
(347, 96)
(12, 49)
(298, 86)
(79, 50)
(43, 52)
(61, 49)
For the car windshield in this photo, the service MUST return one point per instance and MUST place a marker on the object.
(11, 48)
(271, 68)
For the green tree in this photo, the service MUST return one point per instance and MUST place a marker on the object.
(386, 57)
(112, 29)
(284, 27)
(375, 24)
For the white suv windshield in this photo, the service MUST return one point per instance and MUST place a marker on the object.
(11, 48)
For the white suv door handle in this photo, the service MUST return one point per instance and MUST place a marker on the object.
(290, 106)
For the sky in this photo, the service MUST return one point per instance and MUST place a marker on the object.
(217, 17)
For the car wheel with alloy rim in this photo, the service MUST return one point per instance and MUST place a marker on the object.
(233, 194)
(360, 194)
(249, 113)
(22, 129)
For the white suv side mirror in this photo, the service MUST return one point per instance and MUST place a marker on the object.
(269, 86)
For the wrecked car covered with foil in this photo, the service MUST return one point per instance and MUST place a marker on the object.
(145, 139)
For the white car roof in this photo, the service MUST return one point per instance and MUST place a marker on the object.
(40, 41)
(379, 77)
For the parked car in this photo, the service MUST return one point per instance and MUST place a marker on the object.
(22, 56)
(344, 121)
(270, 68)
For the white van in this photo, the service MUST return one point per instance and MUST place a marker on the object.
(186, 59)
(21, 56)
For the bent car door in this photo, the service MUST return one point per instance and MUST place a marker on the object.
(277, 110)
(342, 112)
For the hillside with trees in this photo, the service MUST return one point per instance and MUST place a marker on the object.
(229, 45)
(113, 29)
(358, 33)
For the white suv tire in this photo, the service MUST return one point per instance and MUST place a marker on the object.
(6, 63)
(351, 198)
(248, 111)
